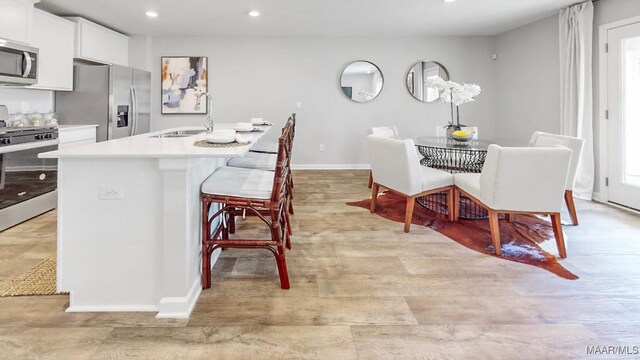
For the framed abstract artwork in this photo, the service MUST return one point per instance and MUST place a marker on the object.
(184, 80)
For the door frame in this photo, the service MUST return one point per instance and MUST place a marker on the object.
(603, 104)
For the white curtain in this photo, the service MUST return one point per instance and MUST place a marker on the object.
(576, 93)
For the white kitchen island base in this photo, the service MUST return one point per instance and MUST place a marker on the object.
(129, 235)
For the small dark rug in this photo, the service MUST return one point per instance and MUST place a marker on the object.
(520, 239)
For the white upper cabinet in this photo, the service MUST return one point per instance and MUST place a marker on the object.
(16, 17)
(97, 43)
(54, 37)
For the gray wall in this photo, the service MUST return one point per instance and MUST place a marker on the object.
(265, 77)
(528, 80)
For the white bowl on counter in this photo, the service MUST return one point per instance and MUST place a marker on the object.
(243, 126)
(221, 136)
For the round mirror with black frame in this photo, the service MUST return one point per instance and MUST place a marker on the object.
(361, 81)
(418, 75)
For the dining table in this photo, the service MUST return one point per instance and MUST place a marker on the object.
(456, 156)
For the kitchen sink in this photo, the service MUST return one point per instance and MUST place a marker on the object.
(179, 133)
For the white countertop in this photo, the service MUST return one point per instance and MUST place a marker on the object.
(71, 127)
(145, 146)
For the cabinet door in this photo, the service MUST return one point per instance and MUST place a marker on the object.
(97, 43)
(54, 37)
(76, 135)
(16, 20)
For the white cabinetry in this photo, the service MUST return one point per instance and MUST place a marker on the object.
(71, 135)
(16, 17)
(97, 43)
(54, 37)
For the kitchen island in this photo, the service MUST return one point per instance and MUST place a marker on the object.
(129, 221)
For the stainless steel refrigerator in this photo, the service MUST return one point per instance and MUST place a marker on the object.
(116, 98)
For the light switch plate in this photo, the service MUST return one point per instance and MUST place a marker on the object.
(110, 192)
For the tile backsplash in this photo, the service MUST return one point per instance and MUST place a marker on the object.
(27, 100)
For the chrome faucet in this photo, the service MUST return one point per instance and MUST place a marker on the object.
(209, 122)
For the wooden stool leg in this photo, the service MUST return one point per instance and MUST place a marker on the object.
(568, 198)
(232, 222)
(510, 218)
(557, 231)
(408, 215)
(206, 256)
(288, 221)
(206, 268)
(495, 231)
(370, 179)
(282, 268)
(291, 207)
(374, 197)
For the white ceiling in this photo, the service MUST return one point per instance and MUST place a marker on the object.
(310, 18)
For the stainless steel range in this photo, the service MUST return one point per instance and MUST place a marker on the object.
(27, 184)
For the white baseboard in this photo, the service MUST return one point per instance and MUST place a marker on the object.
(111, 308)
(330, 166)
(597, 196)
(180, 307)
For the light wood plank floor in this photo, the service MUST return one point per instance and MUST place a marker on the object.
(361, 288)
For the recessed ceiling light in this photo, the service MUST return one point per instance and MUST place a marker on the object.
(449, 0)
(151, 14)
(254, 13)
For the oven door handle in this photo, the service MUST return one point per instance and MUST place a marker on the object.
(28, 62)
(27, 146)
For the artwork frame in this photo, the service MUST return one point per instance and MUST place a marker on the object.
(182, 80)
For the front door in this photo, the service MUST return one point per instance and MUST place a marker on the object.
(624, 115)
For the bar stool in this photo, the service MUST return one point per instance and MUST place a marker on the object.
(266, 161)
(259, 192)
(268, 147)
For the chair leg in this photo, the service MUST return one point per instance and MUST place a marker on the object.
(510, 218)
(495, 231)
(408, 215)
(568, 198)
(456, 204)
(206, 256)
(282, 268)
(450, 204)
(370, 179)
(287, 219)
(374, 197)
(206, 268)
(232, 222)
(291, 207)
(557, 232)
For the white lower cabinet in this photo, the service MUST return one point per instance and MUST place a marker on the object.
(69, 136)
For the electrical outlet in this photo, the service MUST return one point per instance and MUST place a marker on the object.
(24, 106)
(298, 105)
(321, 147)
(110, 192)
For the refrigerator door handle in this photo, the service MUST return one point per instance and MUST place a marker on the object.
(135, 110)
(132, 98)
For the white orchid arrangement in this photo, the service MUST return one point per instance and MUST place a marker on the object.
(454, 93)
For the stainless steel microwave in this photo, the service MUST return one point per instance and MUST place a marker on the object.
(18, 64)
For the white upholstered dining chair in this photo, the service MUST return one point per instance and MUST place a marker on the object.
(523, 180)
(384, 131)
(396, 167)
(575, 144)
